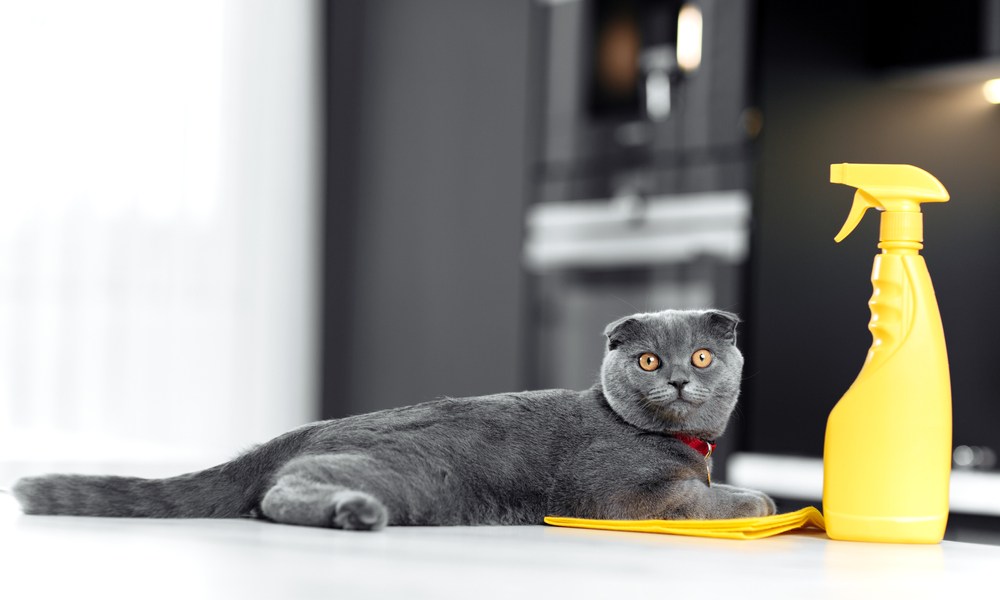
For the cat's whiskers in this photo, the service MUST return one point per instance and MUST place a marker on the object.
(659, 393)
(649, 402)
(696, 394)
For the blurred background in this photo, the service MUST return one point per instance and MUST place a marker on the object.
(221, 219)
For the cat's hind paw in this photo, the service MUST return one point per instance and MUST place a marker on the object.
(358, 511)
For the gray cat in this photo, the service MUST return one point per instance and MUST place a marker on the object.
(635, 446)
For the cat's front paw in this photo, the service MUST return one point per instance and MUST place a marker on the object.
(752, 503)
(359, 511)
(771, 507)
(744, 503)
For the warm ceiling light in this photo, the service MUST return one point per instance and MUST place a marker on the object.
(991, 91)
(689, 38)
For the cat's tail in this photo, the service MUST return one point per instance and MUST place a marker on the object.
(232, 489)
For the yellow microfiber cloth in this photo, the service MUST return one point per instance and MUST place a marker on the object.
(731, 529)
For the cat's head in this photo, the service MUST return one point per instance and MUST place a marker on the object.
(674, 371)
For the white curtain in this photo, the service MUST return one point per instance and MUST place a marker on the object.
(158, 228)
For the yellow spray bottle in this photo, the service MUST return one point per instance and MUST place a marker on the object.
(887, 456)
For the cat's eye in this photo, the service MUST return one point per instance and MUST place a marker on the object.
(649, 362)
(701, 358)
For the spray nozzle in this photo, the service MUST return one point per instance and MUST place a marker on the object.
(889, 188)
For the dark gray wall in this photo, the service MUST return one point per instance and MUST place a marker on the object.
(430, 286)
(809, 314)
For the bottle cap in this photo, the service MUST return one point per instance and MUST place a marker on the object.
(897, 190)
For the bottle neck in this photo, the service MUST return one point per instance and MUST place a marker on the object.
(900, 247)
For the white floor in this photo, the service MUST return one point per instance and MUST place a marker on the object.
(72, 557)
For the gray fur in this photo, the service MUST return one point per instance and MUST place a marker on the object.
(606, 452)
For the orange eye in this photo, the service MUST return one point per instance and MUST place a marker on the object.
(649, 362)
(701, 358)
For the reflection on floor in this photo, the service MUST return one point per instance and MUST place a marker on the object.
(53, 557)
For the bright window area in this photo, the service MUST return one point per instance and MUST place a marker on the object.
(158, 206)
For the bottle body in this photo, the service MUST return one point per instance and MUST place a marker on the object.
(887, 454)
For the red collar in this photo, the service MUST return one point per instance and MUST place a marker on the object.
(704, 446)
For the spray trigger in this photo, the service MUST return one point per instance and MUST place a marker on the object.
(862, 202)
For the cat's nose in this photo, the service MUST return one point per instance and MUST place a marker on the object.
(678, 383)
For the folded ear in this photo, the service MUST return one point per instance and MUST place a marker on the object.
(621, 330)
(723, 324)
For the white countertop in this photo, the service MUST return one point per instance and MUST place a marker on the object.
(76, 557)
(971, 492)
